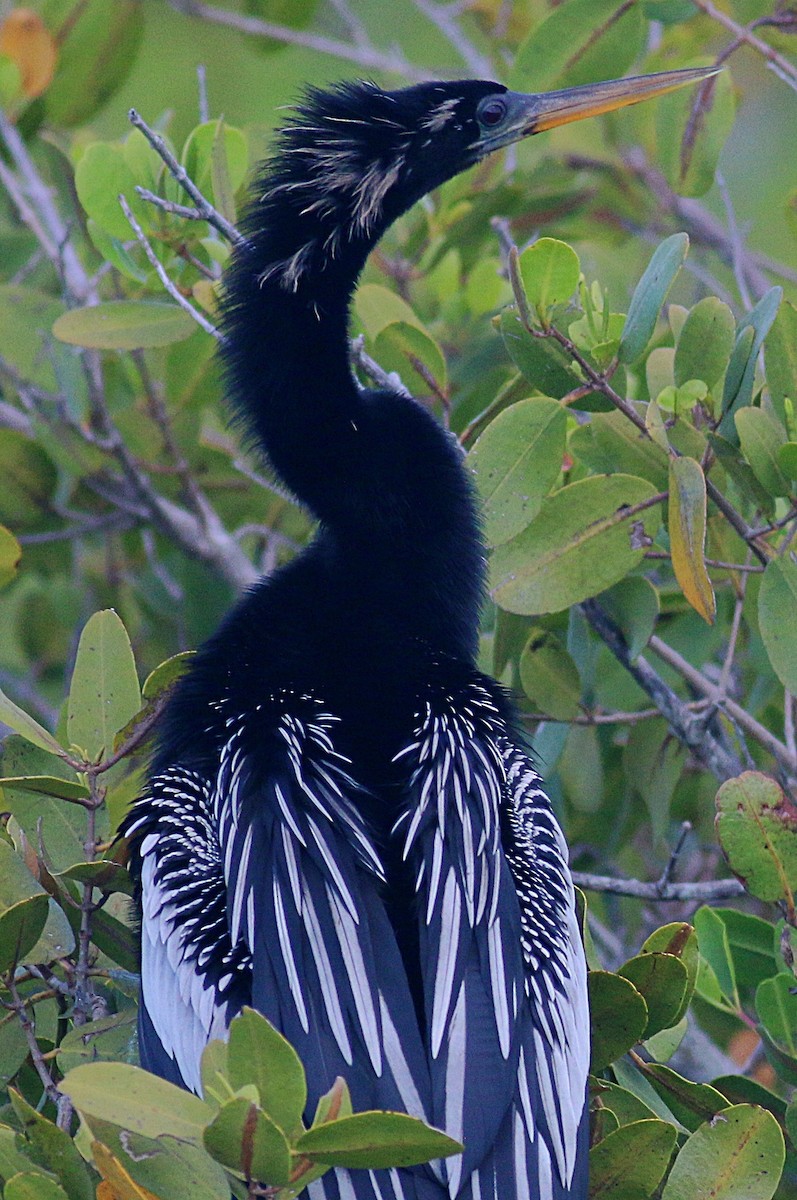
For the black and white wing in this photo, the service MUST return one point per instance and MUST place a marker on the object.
(194, 978)
(262, 886)
(555, 973)
(501, 957)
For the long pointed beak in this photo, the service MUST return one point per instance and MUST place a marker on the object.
(533, 114)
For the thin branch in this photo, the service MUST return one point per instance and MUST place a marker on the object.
(718, 564)
(178, 172)
(672, 862)
(708, 892)
(18, 1006)
(364, 56)
(160, 270)
(687, 726)
(738, 714)
(67, 261)
(737, 241)
(170, 206)
(783, 68)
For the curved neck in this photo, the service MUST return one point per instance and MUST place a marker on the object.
(386, 481)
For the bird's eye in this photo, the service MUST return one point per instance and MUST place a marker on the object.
(491, 112)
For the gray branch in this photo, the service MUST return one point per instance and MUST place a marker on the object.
(693, 730)
(704, 892)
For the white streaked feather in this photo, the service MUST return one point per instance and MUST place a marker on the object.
(358, 979)
(325, 977)
(399, 1067)
(520, 1148)
(455, 1087)
(495, 950)
(446, 960)
(288, 959)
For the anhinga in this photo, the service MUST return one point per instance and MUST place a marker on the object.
(342, 827)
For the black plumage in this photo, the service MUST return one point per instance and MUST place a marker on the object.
(342, 827)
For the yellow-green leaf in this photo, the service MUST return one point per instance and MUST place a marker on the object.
(688, 535)
(104, 693)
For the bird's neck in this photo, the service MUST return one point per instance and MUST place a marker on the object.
(386, 482)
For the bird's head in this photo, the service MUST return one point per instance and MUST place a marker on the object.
(353, 157)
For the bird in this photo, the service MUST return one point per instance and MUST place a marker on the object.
(342, 826)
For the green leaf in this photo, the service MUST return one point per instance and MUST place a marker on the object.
(104, 692)
(756, 825)
(375, 1140)
(125, 325)
(653, 761)
(542, 361)
(166, 674)
(777, 599)
(47, 785)
(624, 1104)
(780, 358)
(630, 1163)
(787, 459)
(17, 883)
(633, 606)
(12, 1160)
(21, 926)
(135, 1100)
(334, 1103)
(165, 1166)
(242, 1138)
(101, 176)
(33, 1185)
(107, 1038)
(414, 354)
(687, 528)
(705, 342)
(738, 1156)
(661, 979)
(11, 714)
(10, 554)
(618, 1016)
(259, 1054)
(549, 676)
(715, 949)
(762, 436)
(105, 875)
(582, 541)
(740, 376)
(216, 157)
(61, 827)
(98, 46)
(30, 479)
(54, 1149)
(550, 271)
(776, 1005)
(650, 294)
(680, 939)
(579, 42)
(517, 460)
(610, 443)
(688, 159)
(377, 307)
(690, 1102)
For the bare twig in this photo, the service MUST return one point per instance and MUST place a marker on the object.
(19, 1006)
(689, 727)
(178, 172)
(736, 239)
(364, 56)
(738, 714)
(160, 271)
(704, 892)
(55, 241)
(783, 68)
